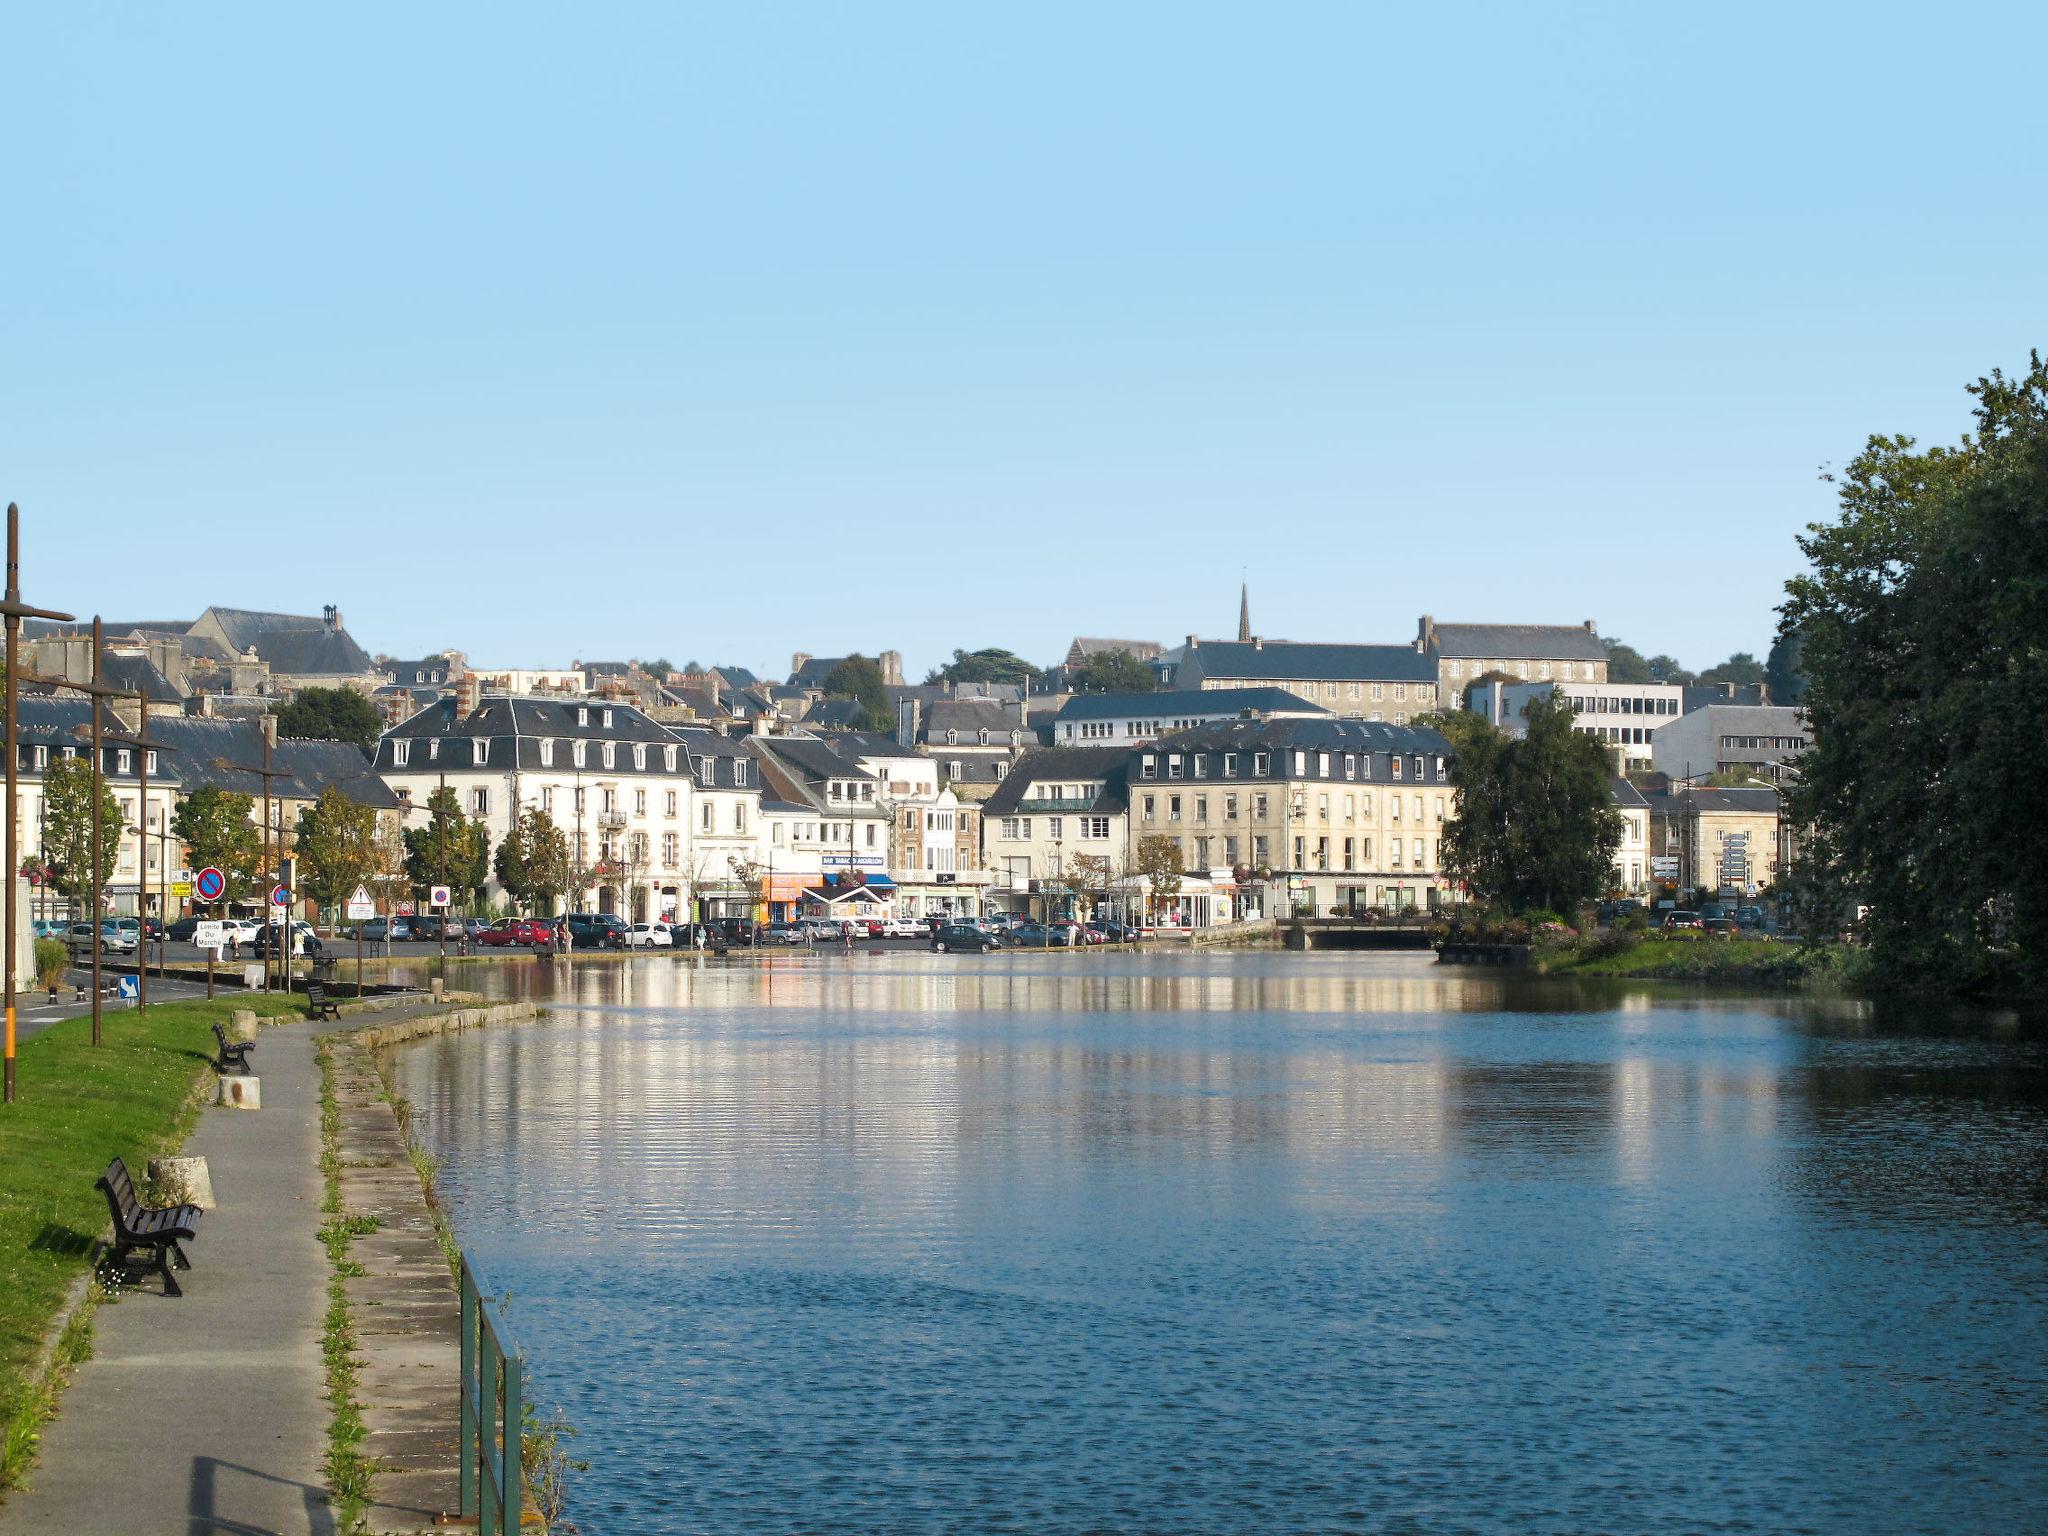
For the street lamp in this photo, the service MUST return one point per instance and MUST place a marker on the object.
(15, 611)
(267, 773)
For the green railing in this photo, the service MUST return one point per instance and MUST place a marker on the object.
(492, 1410)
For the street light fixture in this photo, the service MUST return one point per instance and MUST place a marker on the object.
(267, 773)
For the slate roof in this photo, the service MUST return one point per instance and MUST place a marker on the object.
(139, 674)
(970, 717)
(813, 758)
(835, 714)
(516, 726)
(1106, 765)
(1091, 645)
(1185, 702)
(1711, 802)
(1515, 642)
(1283, 660)
(1626, 795)
(293, 644)
(1311, 735)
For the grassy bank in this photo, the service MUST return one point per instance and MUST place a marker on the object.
(1751, 962)
(79, 1106)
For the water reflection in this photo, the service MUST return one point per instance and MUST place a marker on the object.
(1196, 1243)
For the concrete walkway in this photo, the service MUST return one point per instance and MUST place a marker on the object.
(207, 1415)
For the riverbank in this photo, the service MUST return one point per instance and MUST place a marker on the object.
(1661, 957)
(138, 1095)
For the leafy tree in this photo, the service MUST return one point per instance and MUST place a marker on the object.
(1490, 675)
(330, 714)
(993, 665)
(67, 826)
(1536, 828)
(1785, 670)
(338, 849)
(1665, 669)
(659, 667)
(1741, 668)
(859, 679)
(532, 863)
(1113, 672)
(1159, 861)
(1625, 664)
(450, 849)
(218, 828)
(1924, 624)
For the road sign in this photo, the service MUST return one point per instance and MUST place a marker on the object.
(405, 909)
(181, 888)
(360, 906)
(280, 896)
(438, 896)
(127, 987)
(209, 884)
(210, 935)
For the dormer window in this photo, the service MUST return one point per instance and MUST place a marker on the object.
(984, 736)
(607, 719)
(610, 754)
(579, 753)
(547, 752)
(739, 771)
(668, 759)
(582, 715)
(640, 755)
(401, 749)
(434, 750)
(480, 750)
(952, 738)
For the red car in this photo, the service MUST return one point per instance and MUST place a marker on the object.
(519, 930)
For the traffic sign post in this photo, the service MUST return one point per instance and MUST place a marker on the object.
(360, 910)
(209, 884)
(437, 896)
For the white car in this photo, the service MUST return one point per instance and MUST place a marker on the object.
(825, 927)
(239, 930)
(905, 928)
(650, 936)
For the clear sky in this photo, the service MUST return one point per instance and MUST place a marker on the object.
(724, 331)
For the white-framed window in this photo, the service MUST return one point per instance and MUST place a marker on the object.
(1379, 691)
(639, 802)
(1094, 828)
(671, 845)
(582, 715)
(547, 751)
(1148, 766)
(640, 755)
(547, 798)
(1261, 761)
(742, 771)
(1230, 807)
(1149, 808)
(669, 804)
(479, 803)
(579, 753)
(607, 719)
(401, 749)
(1200, 761)
(610, 752)
(668, 759)
(480, 750)
(1230, 765)
(1055, 827)
(709, 817)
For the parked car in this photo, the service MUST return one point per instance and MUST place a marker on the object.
(959, 936)
(51, 928)
(1028, 935)
(375, 930)
(1113, 932)
(783, 933)
(510, 932)
(182, 930)
(429, 926)
(737, 931)
(650, 936)
(472, 927)
(1722, 927)
(112, 940)
(825, 927)
(1683, 919)
(903, 928)
(597, 930)
(304, 940)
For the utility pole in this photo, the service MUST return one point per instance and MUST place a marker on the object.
(15, 611)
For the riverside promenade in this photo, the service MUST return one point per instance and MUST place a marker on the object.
(208, 1414)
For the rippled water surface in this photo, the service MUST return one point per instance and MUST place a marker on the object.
(1256, 1243)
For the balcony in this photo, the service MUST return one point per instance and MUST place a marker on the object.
(1055, 807)
(611, 819)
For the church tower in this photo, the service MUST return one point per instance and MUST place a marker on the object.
(1244, 613)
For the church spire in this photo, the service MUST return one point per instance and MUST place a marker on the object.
(1244, 612)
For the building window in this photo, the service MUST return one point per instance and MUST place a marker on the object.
(1148, 767)
(547, 798)
(1146, 806)
(610, 752)
(479, 804)
(1173, 807)
(709, 817)
(607, 719)
(579, 753)
(582, 718)
(1259, 851)
(639, 802)
(1201, 765)
(670, 845)
(1259, 804)
(547, 752)
(668, 759)
(607, 801)
(1378, 692)
(1230, 807)
(739, 819)
(1260, 764)
(1095, 828)
(579, 800)
(1397, 765)
(640, 755)
(400, 751)
(742, 770)
(1230, 765)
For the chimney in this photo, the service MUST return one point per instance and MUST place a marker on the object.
(1425, 633)
(270, 729)
(333, 616)
(1192, 641)
(1258, 642)
(796, 662)
(1592, 628)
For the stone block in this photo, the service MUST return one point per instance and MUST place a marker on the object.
(242, 1024)
(241, 1092)
(183, 1180)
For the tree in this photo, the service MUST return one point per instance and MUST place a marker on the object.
(218, 828)
(659, 667)
(1490, 675)
(1159, 862)
(859, 679)
(1112, 672)
(1625, 664)
(532, 862)
(330, 714)
(1785, 670)
(1536, 826)
(1923, 623)
(1665, 669)
(449, 850)
(1741, 668)
(993, 665)
(338, 849)
(68, 822)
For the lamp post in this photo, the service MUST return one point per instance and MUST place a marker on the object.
(267, 773)
(15, 611)
(143, 747)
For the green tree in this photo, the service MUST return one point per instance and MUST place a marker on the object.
(532, 862)
(1785, 668)
(218, 828)
(330, 714)
(1625, 664)
(1113, 672)
(1741, 668)
(450, 849)
(1159, 861)
(1924, 625)
(992, 665)
(1665, 669)
(859, 679)
(1535, 826)
(67, 826)
(338, 849)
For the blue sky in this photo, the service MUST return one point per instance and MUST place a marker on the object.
(720, 332)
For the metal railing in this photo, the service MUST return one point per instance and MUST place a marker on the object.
(493, 1407)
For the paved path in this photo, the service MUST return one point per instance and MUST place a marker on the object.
(207, 1415)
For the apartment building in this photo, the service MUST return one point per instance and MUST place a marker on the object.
(1762, 740)
(1056, 824)
(1337, 815)
(1459, 654)
(1621, 716)
(1386, 683)
(1722, 841)
(1125, 719)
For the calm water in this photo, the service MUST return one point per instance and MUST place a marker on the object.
(1262, 1242)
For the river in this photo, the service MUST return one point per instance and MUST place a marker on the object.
(1234, 1242)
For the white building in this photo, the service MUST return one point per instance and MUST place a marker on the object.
(1130, 719)
(1759, 739)
(1058, 824)
(1632, 858)
(1623, 716)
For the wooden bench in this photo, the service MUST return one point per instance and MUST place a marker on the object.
(318, 1004)
(234, 1054)
(158, 1229)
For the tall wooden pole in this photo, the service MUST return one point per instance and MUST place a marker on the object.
(142, 859)
(98, 682)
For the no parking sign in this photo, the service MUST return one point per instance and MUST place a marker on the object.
(209, 884)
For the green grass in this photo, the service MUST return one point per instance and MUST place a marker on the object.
(77, 1107)
(1703, 959)
(349, 1472)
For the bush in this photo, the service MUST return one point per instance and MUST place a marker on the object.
(53, 958)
